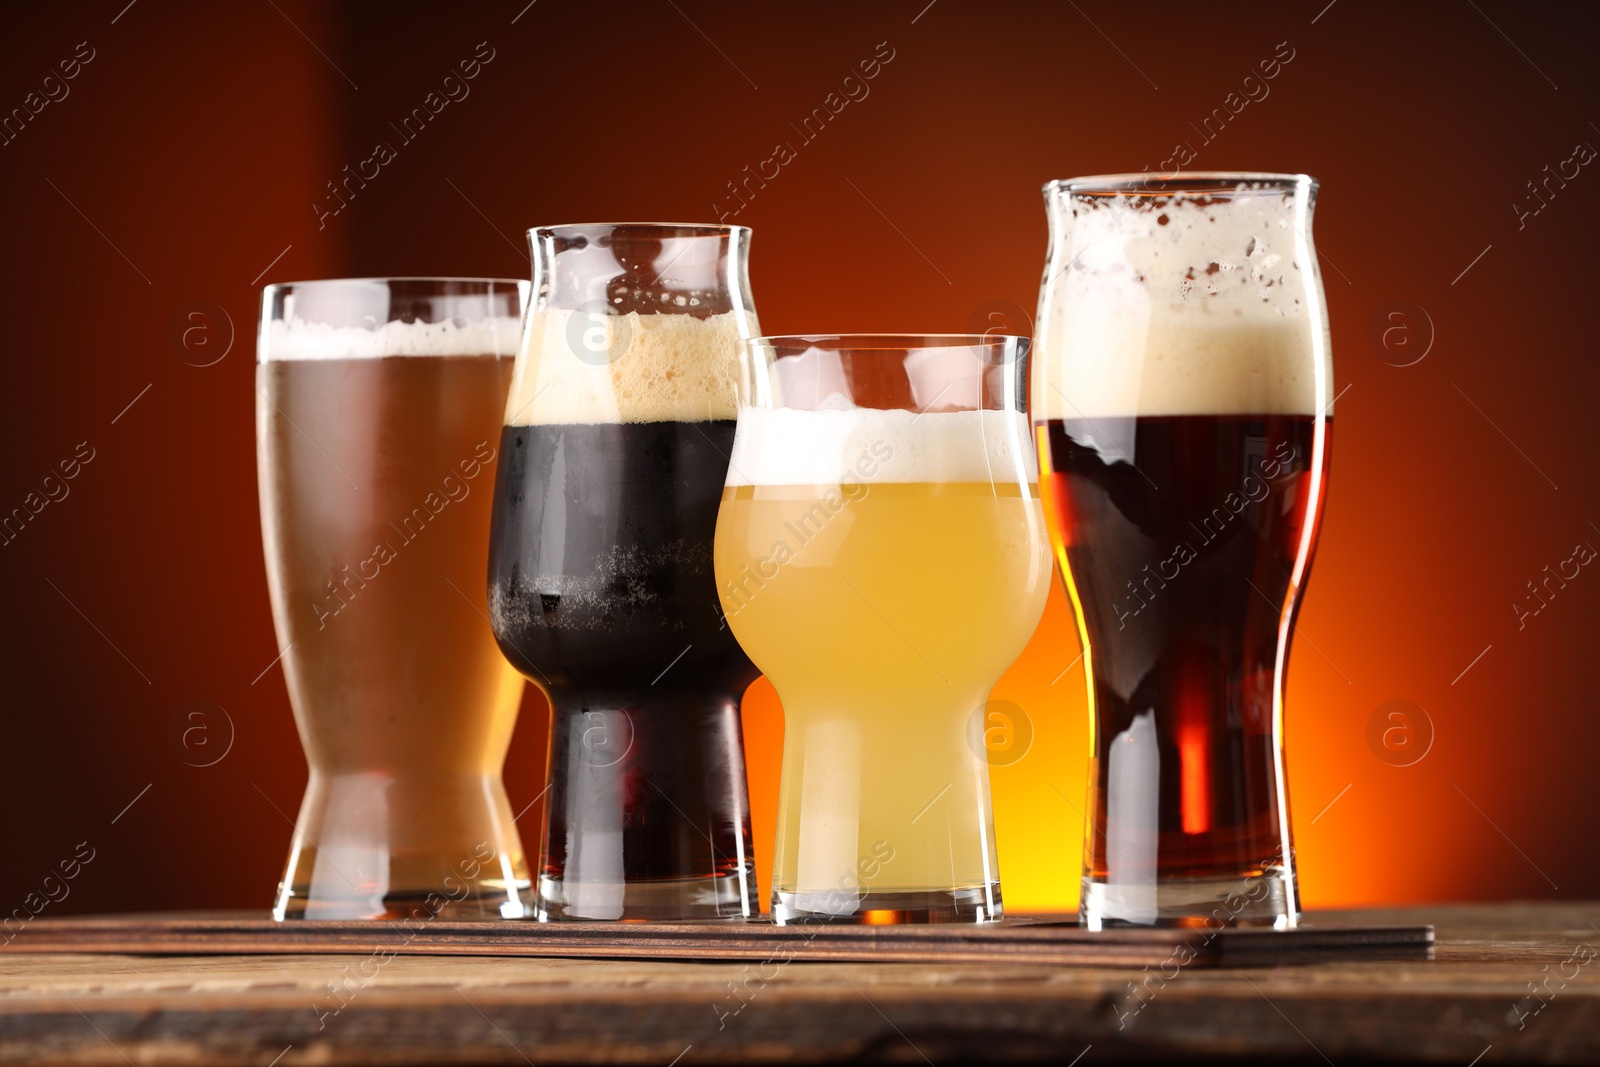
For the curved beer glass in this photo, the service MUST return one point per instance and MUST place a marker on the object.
(378, 408)
(881, 554)
(616, 441)
(1181, 398)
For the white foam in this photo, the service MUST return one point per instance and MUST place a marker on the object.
(1184, 308)
(298, 339)
(836, 446)
(577, 367)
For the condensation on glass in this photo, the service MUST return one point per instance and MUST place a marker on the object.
(378, 405)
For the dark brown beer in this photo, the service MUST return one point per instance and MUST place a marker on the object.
(1181, 393)
(1185, 546)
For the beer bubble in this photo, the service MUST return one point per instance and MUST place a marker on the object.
(999, 732)
(1001, 318)
(594, 339)
(202, 733)
(1400, 333)
(604, 738)
(1400, 733)
(200, 333)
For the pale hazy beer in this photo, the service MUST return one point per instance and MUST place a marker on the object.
(883, 567)
(377, 451)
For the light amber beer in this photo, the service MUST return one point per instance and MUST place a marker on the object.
(376, 475)
(884, 592)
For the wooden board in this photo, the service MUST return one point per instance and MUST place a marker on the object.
(1053, 942)
(1471, 1004)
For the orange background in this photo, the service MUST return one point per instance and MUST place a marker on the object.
(188, 154)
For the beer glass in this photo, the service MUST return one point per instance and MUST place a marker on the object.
(377, 414)
(1181, 402)
(616, 442)
(881, 554)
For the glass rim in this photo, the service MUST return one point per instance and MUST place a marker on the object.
(887, 342)
(672, 229)
(1166, 183)
(486, 282)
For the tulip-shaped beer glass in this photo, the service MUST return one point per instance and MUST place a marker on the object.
(1181, 399)
(616, 443)
(377, 421)
(881, 554)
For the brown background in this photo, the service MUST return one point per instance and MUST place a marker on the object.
(181, 170)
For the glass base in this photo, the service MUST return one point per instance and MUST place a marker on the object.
(721, 898)
(976, 904)
(471, 902)
(381, 845)
(1266, 899)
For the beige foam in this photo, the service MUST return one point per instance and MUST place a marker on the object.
(298, 339)
(581, 368)
(1218, 309)
(836, 446)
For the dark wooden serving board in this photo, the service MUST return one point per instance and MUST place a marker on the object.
(301, 1005)
(1033, 940)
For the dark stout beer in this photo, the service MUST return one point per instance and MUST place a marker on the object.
(602, 590)
(617, 434)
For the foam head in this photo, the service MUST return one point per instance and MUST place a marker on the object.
(1182, 305)
(843, 445)
(374, 318)
(299, 339)
(580, 367)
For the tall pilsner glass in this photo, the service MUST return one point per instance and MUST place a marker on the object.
(616, 442)
(1181, 401)
(881, 554)
(377, 425)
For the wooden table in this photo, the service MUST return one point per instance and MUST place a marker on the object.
(1475, 1003)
